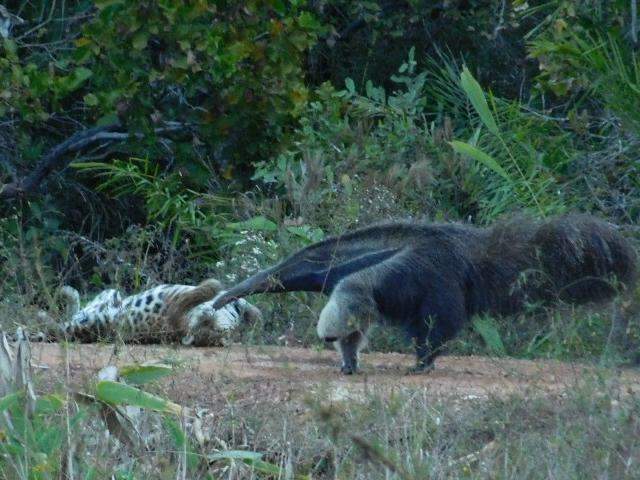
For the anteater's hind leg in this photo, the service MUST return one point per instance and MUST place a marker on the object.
(428, 347)
(424, 355)
(444, 318)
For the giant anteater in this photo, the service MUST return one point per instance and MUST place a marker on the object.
(431, 278)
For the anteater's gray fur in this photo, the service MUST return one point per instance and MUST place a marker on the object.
(431, 278)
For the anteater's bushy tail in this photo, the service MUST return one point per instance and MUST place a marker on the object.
(585, 259)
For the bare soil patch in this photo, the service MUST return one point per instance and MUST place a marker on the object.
(249, 376)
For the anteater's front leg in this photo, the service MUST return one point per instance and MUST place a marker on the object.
(349, 348)
(345, 319)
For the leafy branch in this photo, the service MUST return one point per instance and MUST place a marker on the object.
(477, 98)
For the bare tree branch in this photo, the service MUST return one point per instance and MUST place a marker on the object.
(60, 155)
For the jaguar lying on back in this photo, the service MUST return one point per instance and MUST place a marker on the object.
(143, 317)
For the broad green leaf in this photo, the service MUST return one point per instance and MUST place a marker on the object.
(369, 88)
(239, 50)
(9, 400)
(75, 80)
(140, 40)
(180, 61)
(265, 467)
(107, 119)
(49, 404)
(81, 74)
(10, 46)
(478, 155)
(475, 94)
(175, 432)
(351, 87)
(487, 329)
(301, 41)
(88, 165)
(92, 473)
(255, 223)
(307, 20)
(83, 42)
(279, 7)
(139, 374)
(117, 393)
(90, 100)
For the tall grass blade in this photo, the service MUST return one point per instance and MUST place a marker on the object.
(181, 441)
(475, 94)
(478, 155)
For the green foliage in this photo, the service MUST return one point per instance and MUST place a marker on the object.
(476, 96)
(117, 393)
(39, 432)
(229, 70)
(140, 374)
(375, 36)
(486, 327)
(564, 335)
(167, 202)
(32, 442)
(332, 114)
(33, 439)
(230, 76)
(561, 39)
(529, 179)
(254, 460)
(603, 66)
(400, 139)
(233, 70)
(478, 155)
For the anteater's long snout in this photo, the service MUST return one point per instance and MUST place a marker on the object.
(261, 282)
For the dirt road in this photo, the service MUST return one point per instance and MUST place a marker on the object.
(276, 374)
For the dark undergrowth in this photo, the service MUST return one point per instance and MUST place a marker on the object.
(232, 134)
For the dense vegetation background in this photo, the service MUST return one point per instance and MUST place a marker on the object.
(166, 141)
(155, 141)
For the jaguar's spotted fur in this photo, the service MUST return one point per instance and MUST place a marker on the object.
(144, 317)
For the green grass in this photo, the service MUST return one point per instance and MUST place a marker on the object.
(590, 430)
